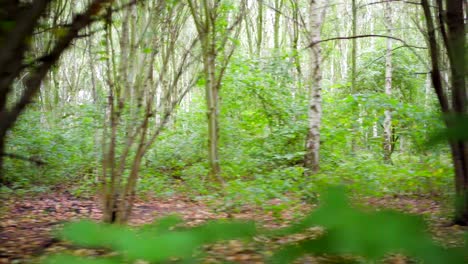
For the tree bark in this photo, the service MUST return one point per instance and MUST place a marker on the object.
(212, 101)
(259, 27)
(353, 66)
(3, 180)
(387, 125)
(456, 53)
(276, 23)
(216, 54)
(311, 159)
(454, 41)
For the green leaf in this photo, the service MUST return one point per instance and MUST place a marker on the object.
(368, 234)
(147, 50)
(457, 130)
(156, 243)
(7, 25)
(62, 259)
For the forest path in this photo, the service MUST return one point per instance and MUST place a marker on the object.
(27, 223)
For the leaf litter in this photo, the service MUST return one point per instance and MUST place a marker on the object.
(28, 224)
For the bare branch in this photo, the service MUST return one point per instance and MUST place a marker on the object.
(364, 36)
(34, 160)
(385, 1)
(34, 81)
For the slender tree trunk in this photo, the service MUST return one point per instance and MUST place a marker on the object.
(353, 46)
(260, 27)
(311, 159)
(215, 61)
(276, 23)
(248, 33)
(295, 39)
(212, 100)
(387, 145)
(353, 67)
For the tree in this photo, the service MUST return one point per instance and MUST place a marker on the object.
(217, 25)
(19, 22)
(145, 76)
(276, 23)
(387, 124)
(259, 27)
(311, 159)
(353, 62)
(451, 29)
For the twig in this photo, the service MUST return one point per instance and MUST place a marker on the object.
(364, 36)
(34, 160)
(385, 1)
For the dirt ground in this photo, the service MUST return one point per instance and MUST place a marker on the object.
(27, 224)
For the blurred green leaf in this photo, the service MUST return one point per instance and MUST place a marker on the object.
(347, 231)
(368, 234)
(457, 131)
(62, 259)
(156, 243)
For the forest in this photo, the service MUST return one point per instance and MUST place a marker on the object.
(233, 131)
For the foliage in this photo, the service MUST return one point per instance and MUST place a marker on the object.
(368, 234)
(371, 235)
(458, 130)
(65, 143)
(408, 176)
(180, 243)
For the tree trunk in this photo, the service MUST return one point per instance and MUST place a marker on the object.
(215, 61)
(460, 159)
(295, 38)
(212, 101)
(311, 159)
(455, 46)
(276, 23)
(353, 67)
(454, 43)
(3, 181)
(260, 27)
(387, 145)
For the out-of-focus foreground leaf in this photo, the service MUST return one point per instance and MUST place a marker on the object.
(368, 234)
(458, 130)
(158, 243)
(66, 259)
(348, 231)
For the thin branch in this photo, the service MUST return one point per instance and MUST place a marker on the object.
(38, 74)
(36, 161)
(385, 1)
(364, 36)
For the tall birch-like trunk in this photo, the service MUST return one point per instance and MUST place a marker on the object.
(311, 159)
(353, 66)
(387, 125)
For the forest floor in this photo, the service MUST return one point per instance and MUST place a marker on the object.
(27, 224)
